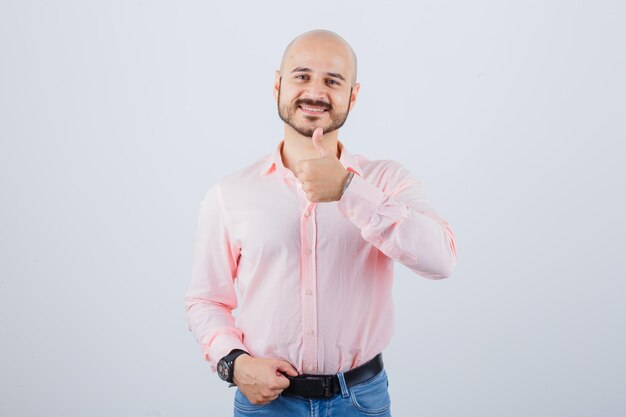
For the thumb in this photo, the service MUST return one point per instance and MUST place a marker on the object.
(287, 368)
(316, 138)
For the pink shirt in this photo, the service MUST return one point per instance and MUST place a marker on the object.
(311, 282)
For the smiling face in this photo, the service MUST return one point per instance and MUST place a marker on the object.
(315, 86)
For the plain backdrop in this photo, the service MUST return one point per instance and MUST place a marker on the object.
(117, 116)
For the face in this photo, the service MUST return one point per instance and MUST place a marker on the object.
(314, 87)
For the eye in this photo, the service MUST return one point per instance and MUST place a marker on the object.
(332, 81)
(302, 77)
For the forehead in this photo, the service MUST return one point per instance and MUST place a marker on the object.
(327, 55)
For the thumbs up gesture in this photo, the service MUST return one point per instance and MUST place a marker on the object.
(322, 178)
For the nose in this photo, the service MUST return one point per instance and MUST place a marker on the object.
(316, 90)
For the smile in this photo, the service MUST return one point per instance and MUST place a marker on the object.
(312, 109)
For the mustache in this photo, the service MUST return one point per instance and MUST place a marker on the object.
(316, 103)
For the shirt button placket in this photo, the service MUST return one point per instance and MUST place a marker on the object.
(308, 284)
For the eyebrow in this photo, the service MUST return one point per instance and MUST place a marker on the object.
(331, 74)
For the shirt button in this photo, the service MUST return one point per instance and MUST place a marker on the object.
(307, 213)
(308, 291)
(350, 213)
(308, 251)
(308, 331)
(310, 368)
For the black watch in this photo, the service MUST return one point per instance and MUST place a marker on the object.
(226, 365)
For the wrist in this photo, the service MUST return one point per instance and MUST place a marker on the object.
(347, 181)
(226, 365)
(241, 358)
(239, 364)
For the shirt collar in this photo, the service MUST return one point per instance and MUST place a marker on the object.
(275, 162)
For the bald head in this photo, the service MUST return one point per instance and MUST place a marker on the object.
(322, 43)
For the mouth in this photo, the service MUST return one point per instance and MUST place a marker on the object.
(312, 110)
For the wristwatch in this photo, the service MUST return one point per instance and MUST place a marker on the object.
(226, 365)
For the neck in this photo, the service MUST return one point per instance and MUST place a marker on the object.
(297, 147)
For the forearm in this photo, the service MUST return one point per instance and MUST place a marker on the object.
(213, 326)
(402, 225)
(210, 297)
(424, 245)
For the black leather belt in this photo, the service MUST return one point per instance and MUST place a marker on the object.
(312, 386)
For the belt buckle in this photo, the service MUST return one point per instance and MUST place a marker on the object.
(328, 386)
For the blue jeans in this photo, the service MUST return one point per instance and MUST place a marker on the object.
(369, 398)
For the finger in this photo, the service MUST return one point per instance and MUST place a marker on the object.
(259, 400)
(281, 383)
(269, 398)
(299, 166)
(317, 135)
(287, 368)
(272, 393)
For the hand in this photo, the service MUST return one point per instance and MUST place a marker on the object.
(322, 178)
(261, 380)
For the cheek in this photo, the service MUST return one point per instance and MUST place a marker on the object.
(340, 104)
(287, 98)
(289, 90)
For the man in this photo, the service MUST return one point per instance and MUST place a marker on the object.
(308, 236)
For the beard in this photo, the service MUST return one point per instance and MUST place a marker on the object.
(287, 114)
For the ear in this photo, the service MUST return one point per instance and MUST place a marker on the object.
(276, 84)
(355, 92)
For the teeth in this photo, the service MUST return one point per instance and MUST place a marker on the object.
(312, 109)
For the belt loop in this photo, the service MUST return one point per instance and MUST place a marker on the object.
(342, 384)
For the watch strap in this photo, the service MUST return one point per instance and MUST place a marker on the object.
(229, 361)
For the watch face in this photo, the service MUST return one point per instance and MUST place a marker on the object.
(222, 370)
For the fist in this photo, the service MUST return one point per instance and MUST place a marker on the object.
(262, 380)
(322, 178)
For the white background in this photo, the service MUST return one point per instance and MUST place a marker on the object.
(116, 117)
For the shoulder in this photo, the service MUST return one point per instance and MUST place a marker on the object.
(384, 173)
(246, 174)
(240, 178)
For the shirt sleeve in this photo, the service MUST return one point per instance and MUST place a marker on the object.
(394, 216)
(210, 297)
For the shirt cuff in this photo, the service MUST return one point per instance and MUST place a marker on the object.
(220, 346)
(359, 202)
(374, 212)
